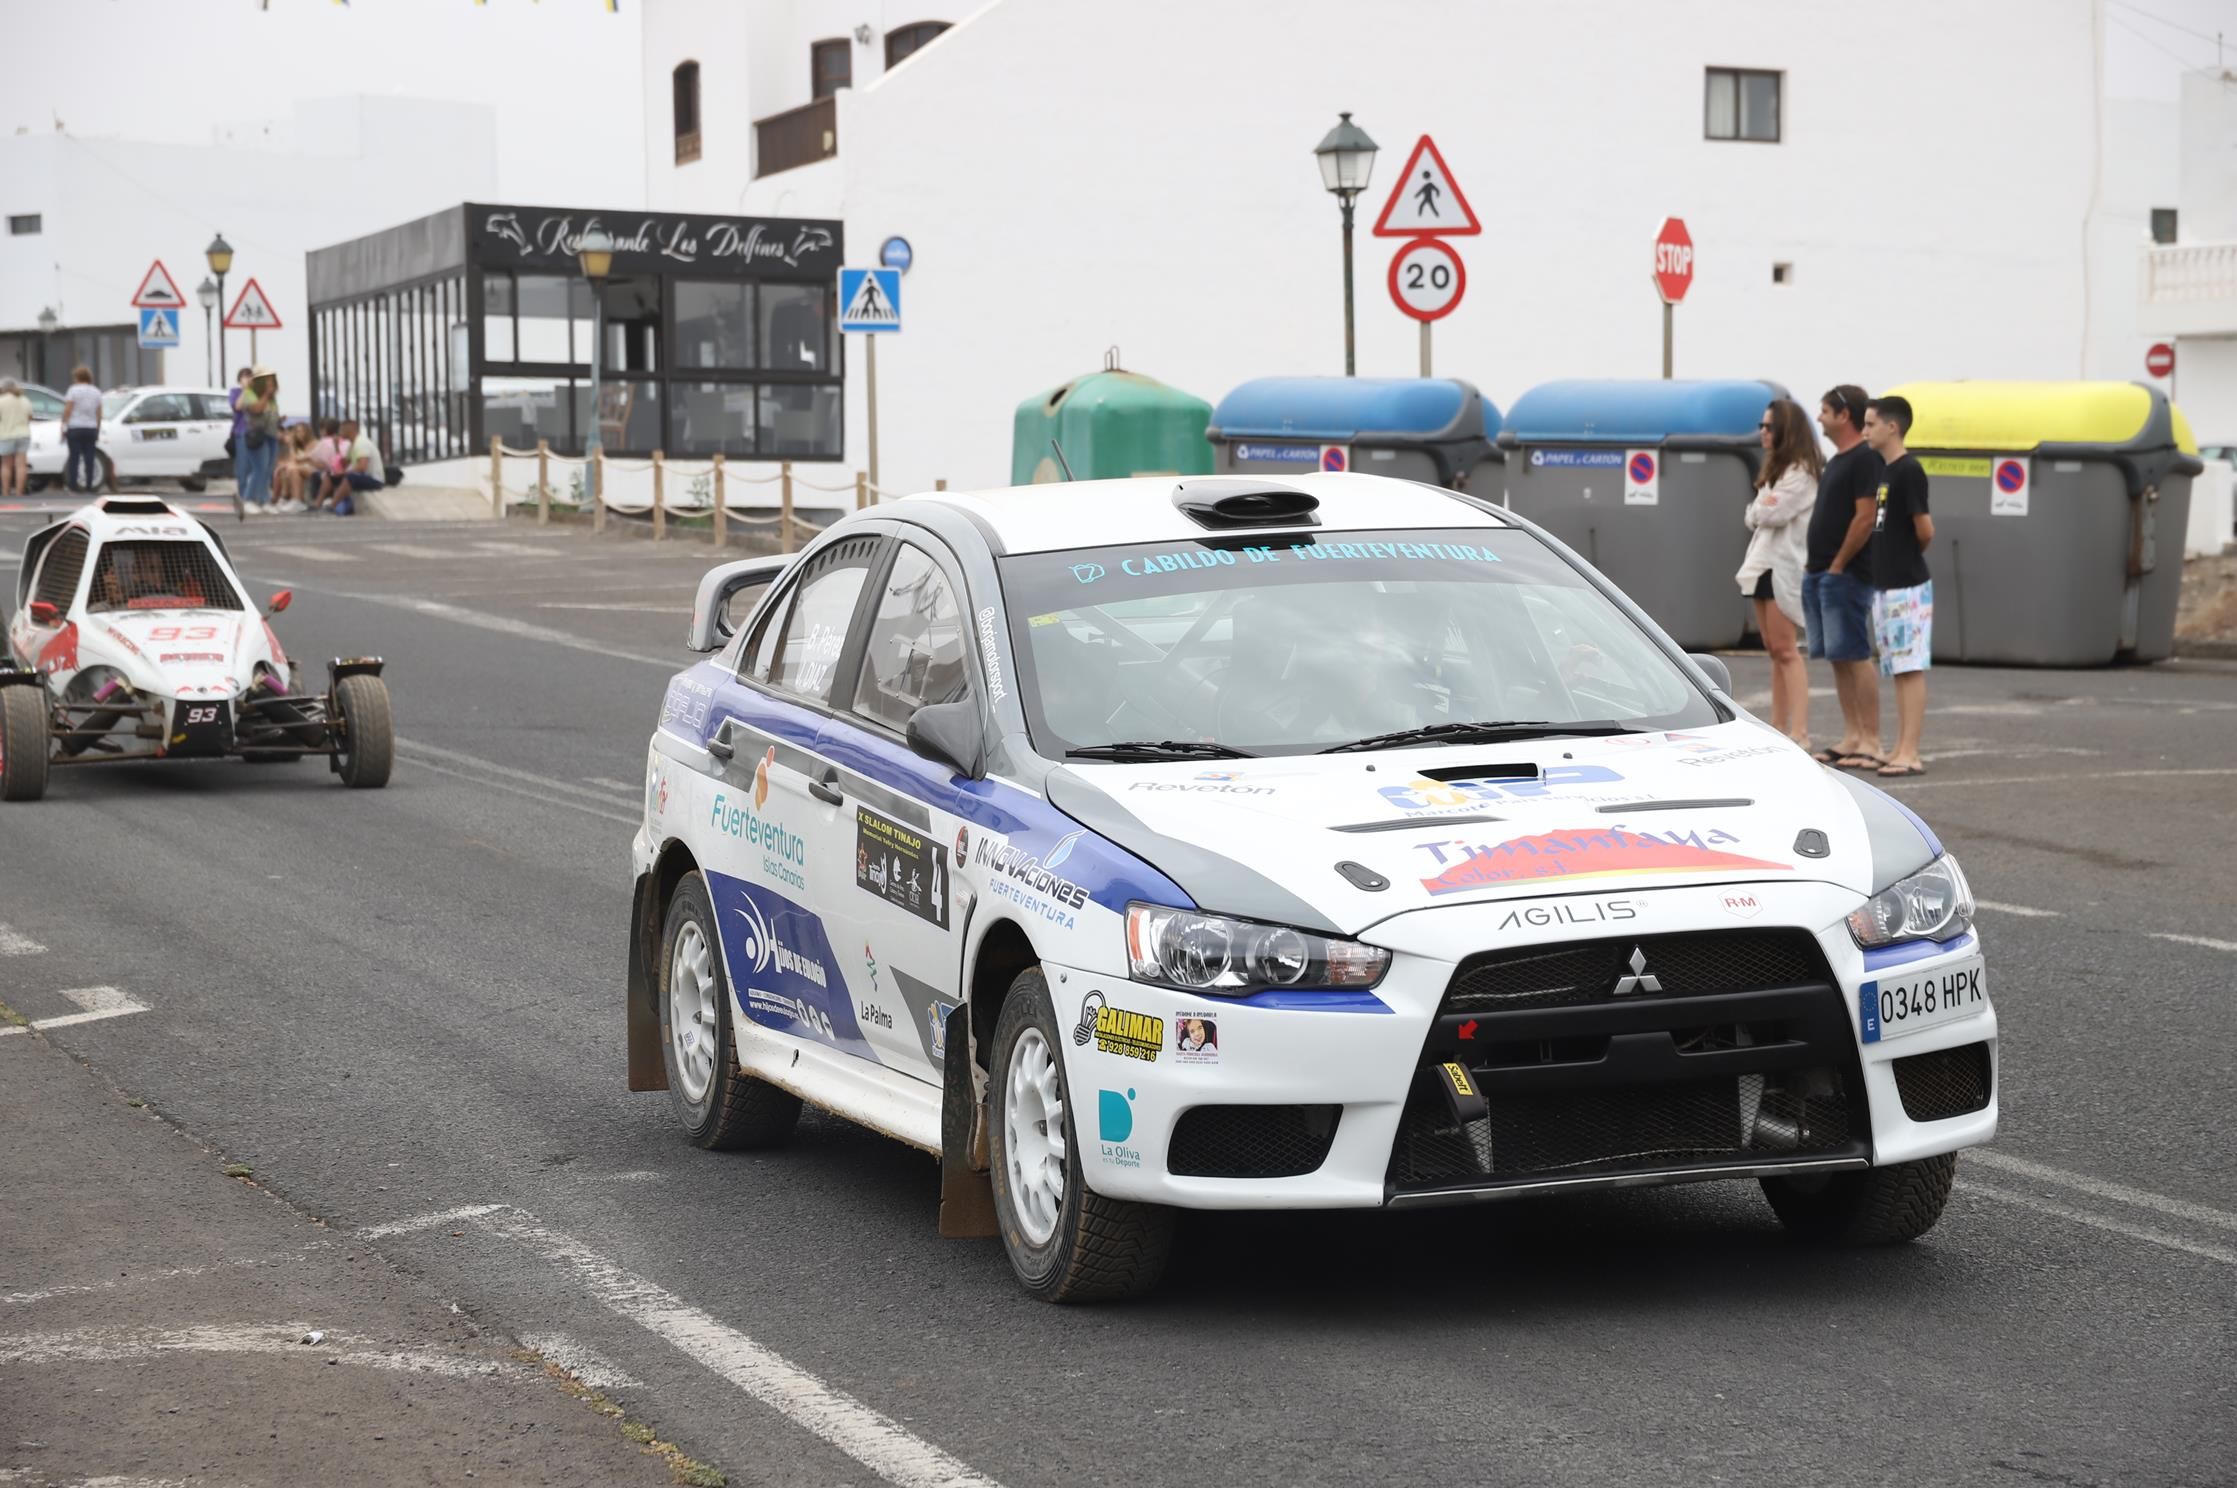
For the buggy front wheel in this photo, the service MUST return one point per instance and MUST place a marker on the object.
(24, 743)
(366, 751)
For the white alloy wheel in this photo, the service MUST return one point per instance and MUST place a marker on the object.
(1033, 1132)
(693, 1018)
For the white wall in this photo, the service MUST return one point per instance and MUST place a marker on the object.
(353, 166)
(2209, 155)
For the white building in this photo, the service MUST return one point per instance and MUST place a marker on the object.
(87, 217)
(2189, 283)
(1921, 190)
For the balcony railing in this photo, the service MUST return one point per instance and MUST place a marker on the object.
(796, 137)
(2185, 273)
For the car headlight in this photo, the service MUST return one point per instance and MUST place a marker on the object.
(1231, 958)
(1934, 903)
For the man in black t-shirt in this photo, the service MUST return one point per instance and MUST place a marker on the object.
(1837, 577)
(1903, 609)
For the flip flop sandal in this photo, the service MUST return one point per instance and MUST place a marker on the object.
(1860, 762)
(1828, 756)
(1897, 772)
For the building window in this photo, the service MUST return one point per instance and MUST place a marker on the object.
(1782, 273)
(830, 67)
(904, 42)
(2163, 224)
(30, 224)
(1742, 105)
(686, 86)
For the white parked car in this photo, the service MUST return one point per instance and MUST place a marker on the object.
(1230, 844)
(153, 433)
(132, 638)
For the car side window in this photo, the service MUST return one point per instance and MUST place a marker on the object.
(212, 406)
(160, 408)
(914, 652)
(44, 405)
(58, 575)
(813, 635)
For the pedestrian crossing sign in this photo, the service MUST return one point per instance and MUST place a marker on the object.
(870, 300)
(159, 329)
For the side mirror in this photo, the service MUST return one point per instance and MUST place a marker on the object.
(43, 612)
(1719, 673)
(950, 734)
(727, 596)
(281, 601)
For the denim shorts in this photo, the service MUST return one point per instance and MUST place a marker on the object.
(13, 447)
(1837, 612)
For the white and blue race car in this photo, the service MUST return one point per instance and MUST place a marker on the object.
(1330, 842)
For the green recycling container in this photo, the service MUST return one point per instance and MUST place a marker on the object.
(1110, 423)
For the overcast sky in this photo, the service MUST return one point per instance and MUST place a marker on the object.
(562, 75)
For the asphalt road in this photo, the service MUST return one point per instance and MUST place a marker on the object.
(407, 1003)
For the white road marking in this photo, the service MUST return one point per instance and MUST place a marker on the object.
(103, 1345)
(428, 1221)
(308, 553)
(13, 943)
(98, 1002)
(876, 1441)
(1912, 785)
(2019, 909)
(418, 550)
(521, 791)
(506, 548)
(2207, 941)
(632, 609)
(44, 1294)
(616, 792)
(2102, 1188)
(2145, 1233)
(507, 625)
(580, 1362)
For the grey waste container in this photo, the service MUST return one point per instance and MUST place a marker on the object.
(1649, 481)
(1434, 429)
(2059, 511)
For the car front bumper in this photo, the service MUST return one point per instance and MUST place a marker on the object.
(1743, 1064)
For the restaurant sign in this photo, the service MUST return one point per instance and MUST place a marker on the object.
(658, 242)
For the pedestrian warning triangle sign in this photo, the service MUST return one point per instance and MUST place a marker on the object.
(252, 311)
(1426, 201)
(872, 301)
(158, 290)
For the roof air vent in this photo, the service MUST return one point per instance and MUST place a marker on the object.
(125, 506)
(1226, 504)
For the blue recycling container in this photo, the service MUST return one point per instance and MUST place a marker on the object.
(1649, 481)
(1433, 429)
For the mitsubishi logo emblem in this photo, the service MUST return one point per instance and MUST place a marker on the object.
(1638, 981)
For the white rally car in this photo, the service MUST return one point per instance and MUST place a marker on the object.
(1140, 845)
(132, 639)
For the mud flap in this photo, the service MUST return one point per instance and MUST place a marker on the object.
(647, 1070)
(966, 1193)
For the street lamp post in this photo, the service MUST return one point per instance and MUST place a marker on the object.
(220, 255)
(207, 293)
(596, 252)
(48, 320)
(1347, 159)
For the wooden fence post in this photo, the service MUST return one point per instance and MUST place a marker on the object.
(497, 476)
(594, 471)
(941, 484)
(784, 520)
(659, 496)
(861, 490)
(543, 482)
(722, 507)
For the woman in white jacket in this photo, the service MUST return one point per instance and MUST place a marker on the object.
(1771, 574)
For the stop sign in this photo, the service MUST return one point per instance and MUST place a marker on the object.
(2160, 360)
(1673, 260)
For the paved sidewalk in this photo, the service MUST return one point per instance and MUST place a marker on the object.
(153, 1312)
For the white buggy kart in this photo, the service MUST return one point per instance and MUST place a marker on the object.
(132, 639)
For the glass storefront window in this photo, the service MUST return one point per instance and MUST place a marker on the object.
(795, 328)
(497, 317)
(522, 410)
(713, 416)
(799, 420)
(544, 319)
(628, 414)
(632, 324)
(714, 325)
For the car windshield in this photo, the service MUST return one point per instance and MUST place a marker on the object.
(1303, 643)
(112, 404)
(135, 574)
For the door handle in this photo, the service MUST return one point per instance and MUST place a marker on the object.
(718, 742)
(825, 787)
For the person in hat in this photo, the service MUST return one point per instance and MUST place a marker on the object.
(15, 436)
(260, 440)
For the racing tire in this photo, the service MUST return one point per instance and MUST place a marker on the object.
(722, 1108)
(1090, 1248)
(367, 750)
(24, 743)
(1879, 1206)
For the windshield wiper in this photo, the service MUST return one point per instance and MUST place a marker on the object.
(1152, 749)
(1483, 732)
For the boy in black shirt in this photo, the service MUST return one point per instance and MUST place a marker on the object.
(1837, 577)
(1903, 609)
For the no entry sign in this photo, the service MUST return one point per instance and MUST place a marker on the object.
(1673, 260)
(2160, 360)
(1427, 279)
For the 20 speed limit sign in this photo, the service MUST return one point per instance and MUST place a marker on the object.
(1426, 279)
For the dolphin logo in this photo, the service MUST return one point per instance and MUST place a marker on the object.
(506, 225)
(1087, 573)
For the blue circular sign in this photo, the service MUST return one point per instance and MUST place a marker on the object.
(895, 253)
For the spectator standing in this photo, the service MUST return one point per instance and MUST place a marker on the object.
(15, 436)
(81, 430)
(1837, 577)
(1771, 574)
(237, 442)
(260, 438)
(1903, 608)
(362, 470)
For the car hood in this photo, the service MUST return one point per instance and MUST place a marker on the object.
(1339, 842)
(152, 649)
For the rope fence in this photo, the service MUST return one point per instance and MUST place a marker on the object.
(664, 488)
